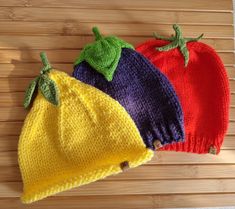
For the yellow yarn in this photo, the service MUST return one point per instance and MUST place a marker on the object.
(82, 140)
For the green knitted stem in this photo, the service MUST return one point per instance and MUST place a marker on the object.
(177, 41)
(97, 34)
(103, 54)
(42, 82)
(44, 59)
(47, 66)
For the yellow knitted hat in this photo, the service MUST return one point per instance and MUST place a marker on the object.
(74, 134)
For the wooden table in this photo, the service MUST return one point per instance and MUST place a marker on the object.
(62, 28)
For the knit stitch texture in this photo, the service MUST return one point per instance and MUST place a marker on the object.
(103, 54)
(203, 90)
(87, 137)
(146, 94)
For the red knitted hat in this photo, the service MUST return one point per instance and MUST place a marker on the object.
(201, 82)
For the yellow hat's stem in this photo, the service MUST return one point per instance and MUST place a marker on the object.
(47, 66)
(97, 34)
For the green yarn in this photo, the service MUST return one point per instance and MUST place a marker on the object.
(49, 89)
(42, 82)
(177, 41)
(30, 92)
(104, 54)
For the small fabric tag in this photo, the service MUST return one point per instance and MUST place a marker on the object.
(124, 165)
(157, 144)
(212, 150)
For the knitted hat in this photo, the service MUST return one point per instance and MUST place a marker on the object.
(111, 65)
(74, 134)
(200, 80)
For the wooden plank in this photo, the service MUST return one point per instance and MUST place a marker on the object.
(30, 70)
(156, 172)
(12, 99)
(115, 16)
(229, 142)
(8, 143)
(149, 172)
(196, 5)
(189, 158)
(8, 85)
(232, 85)
(78, 42)
(66, 56)
(13, 114)
(150, 187)
(32, 56)
(94, 202)
(125, 201)
(232, 113)
(9, 158)
(10, 128)
(232, 102)
(10, 173)
(230, 72)
(70, 27)
(205, 200)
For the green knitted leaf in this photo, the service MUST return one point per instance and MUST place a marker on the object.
(49, 89)
(104, 54)
(47, 86)
(30, 92)
(177, 41)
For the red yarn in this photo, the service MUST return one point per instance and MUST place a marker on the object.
(203, 91)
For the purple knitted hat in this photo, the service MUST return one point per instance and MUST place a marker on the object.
(113, 66)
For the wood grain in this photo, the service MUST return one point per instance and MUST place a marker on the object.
(70, 27)
(114, 16)
(196, 5)
(77, 42)
(126, 201)
(149, 187)
(148, 172)
(67, 56)
(62, 28)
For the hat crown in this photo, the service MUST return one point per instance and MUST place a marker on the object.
(81, 140)
(177, 41)
(145, 93)
(202, 88)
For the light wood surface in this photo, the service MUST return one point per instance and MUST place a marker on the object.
(62, 28)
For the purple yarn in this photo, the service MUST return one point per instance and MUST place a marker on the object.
(146, 94)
